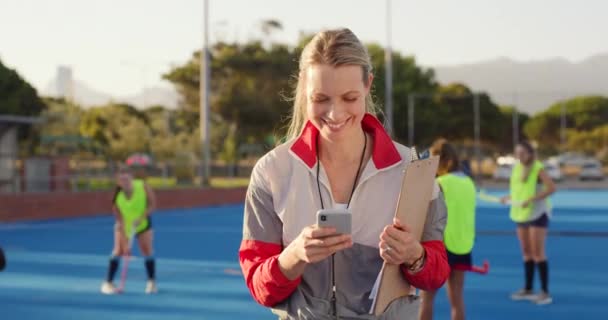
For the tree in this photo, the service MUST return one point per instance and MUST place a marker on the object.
(17, 97)
(248, 86)
(119, 129)
(583, 116)
(60, 133)
(456, 103)
(408, 78)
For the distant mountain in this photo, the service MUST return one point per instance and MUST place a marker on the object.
(534, 85)
(154, 96)
(88, 97)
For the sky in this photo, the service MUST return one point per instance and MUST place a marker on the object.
(120, 46)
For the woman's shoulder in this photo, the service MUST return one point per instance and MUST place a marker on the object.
(274, 164)
(276, 157)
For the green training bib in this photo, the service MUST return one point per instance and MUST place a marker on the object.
(134, 207)
(460, 198)
(523, 190)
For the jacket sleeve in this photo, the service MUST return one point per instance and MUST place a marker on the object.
(436, 269)
(262, 244)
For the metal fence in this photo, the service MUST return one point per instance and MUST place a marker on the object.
(46, 174)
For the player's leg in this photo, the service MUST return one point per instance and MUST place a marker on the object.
(145, 240)
(2, 259)
(426, 305)
(523, 234)
(120, 248)
(455, 291)
(538, 235)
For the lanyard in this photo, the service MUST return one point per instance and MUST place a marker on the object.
(357, 176)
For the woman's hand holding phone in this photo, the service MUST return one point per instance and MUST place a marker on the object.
(314, 244)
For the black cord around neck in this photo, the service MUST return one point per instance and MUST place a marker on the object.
(333, 270)
(357, 176)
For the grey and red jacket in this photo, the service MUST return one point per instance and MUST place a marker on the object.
(283, 198)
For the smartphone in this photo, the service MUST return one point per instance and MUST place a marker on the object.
(340, 219)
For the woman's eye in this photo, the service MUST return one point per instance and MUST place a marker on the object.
(319, 100)
(350, 99)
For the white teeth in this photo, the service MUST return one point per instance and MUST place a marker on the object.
(335, 126)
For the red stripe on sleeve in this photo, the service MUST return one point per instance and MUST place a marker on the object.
(267, 283)
(436, 269)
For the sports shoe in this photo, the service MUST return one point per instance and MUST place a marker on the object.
(542, 299)
(108, 288)
(151, 287)
(523, 294)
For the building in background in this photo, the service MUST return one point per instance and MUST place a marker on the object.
(65, 83)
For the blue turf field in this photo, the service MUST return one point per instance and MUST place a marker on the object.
(56, 267)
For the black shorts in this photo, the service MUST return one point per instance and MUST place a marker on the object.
(540, 222)
(461, 262)
(149, 227)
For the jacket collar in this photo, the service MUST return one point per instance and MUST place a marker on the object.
(384, 153)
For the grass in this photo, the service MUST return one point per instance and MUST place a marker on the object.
(224, 182)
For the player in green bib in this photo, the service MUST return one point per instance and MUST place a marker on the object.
(459, 234)
(133, 202)
(530, 188)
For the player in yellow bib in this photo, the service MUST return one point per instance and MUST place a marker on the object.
(132, 205)
(530, 187)
(459, 234)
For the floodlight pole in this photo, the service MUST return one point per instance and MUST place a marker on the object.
(388, 64)
(205, 68)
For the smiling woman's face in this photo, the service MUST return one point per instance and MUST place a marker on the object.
(336, 99)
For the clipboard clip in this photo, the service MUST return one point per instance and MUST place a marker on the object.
(420, 156)
(415, 155)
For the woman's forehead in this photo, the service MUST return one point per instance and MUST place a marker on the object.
(331, 80)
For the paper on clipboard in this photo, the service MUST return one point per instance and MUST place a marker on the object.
(412, 207)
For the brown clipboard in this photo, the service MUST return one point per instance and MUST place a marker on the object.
(412, 207)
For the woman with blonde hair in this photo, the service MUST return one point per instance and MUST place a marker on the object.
(338, 156)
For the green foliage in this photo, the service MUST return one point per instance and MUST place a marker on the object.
(250, 83)
(119, 129)
(250, 88)
(184, 168)
(60, 133)
(407, 78)
(586, 118)
(17, 97)
(589, 141)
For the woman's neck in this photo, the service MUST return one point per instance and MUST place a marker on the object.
(344, 151)
(128, 190)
